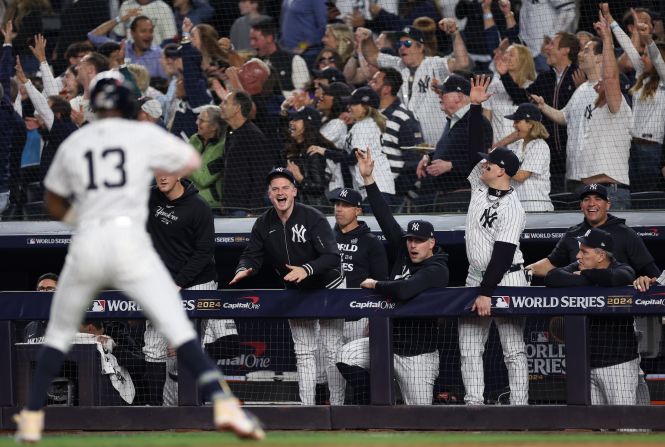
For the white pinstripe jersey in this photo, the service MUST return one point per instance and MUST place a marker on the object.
(423, 101)
(491, 219)
(106, 167)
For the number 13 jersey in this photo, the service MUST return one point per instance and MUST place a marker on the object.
(105, 168)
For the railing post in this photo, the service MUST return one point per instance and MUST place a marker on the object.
(7, 398)
(578, 386)
(381, 361)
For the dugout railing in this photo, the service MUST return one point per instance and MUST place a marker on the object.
(574, 304)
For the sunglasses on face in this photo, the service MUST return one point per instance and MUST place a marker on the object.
(404, 43)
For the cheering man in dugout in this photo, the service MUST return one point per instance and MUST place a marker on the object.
(419, 265)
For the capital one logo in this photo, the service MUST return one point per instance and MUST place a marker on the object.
(298, 233)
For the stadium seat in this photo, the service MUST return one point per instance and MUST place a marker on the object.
(454, 202)
(648, 200)
(565, 201)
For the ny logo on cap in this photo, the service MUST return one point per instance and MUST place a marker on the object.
(593, 186)
(343, 192)
(365, 98)
(280, 169)
(414, 226)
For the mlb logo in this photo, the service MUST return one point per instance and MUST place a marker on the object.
(539, 337)
(501, 302)
(97, 306)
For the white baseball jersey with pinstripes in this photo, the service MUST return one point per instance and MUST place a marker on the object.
(491, 219)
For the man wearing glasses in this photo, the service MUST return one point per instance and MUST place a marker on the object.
(419, 71)
(36, 329)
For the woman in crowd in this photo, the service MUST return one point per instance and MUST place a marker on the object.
(204, 38)
(366, 135)
(332, 105)
(516, 62)
(339, 37)
(310, 172)
(532, 181)
(647, 129)
(328, 58)
(209, 142)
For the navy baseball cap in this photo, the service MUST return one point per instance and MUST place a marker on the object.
(526, 111)
(280, 172)
(594, 188)
(307, 114)
(505, 158)
(597, 238)
(337, 90)
(331, 74)
(347, 195)
(420, 229)
(366, 96)
(412, 32)
(453, 84)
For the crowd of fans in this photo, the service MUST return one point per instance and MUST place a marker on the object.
(576, 94)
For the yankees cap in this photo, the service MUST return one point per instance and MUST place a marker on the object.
(412, 32)
(420, 229)
(280, 172)
(597, 238)
(366, 96)
(594, 188)
(526, 111)
(331, 74)
(337, 90)
(308, 114)
(504, 158)
(453, 84)
(347, 195)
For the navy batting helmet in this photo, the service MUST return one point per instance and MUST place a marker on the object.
(111, 94)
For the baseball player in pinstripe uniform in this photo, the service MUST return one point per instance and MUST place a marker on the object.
(493, 227)
(99, 182)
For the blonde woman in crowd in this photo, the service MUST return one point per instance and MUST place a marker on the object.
(532, 181)
(366, 135)
(339, 37)
(516, 61)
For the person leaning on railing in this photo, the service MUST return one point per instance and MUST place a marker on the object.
(613, 358)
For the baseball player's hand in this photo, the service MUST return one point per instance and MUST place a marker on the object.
(482, 305)
(242, 274)
(365, 163)
(296, 274)
(369, 283)
(643, 283)
(438, 167)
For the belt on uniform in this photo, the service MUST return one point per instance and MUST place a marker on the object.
(642, 141)
(511, 269)
(614, 186)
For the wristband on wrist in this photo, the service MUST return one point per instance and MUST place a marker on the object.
(118, 19)
(614, 25)
(488, 16)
